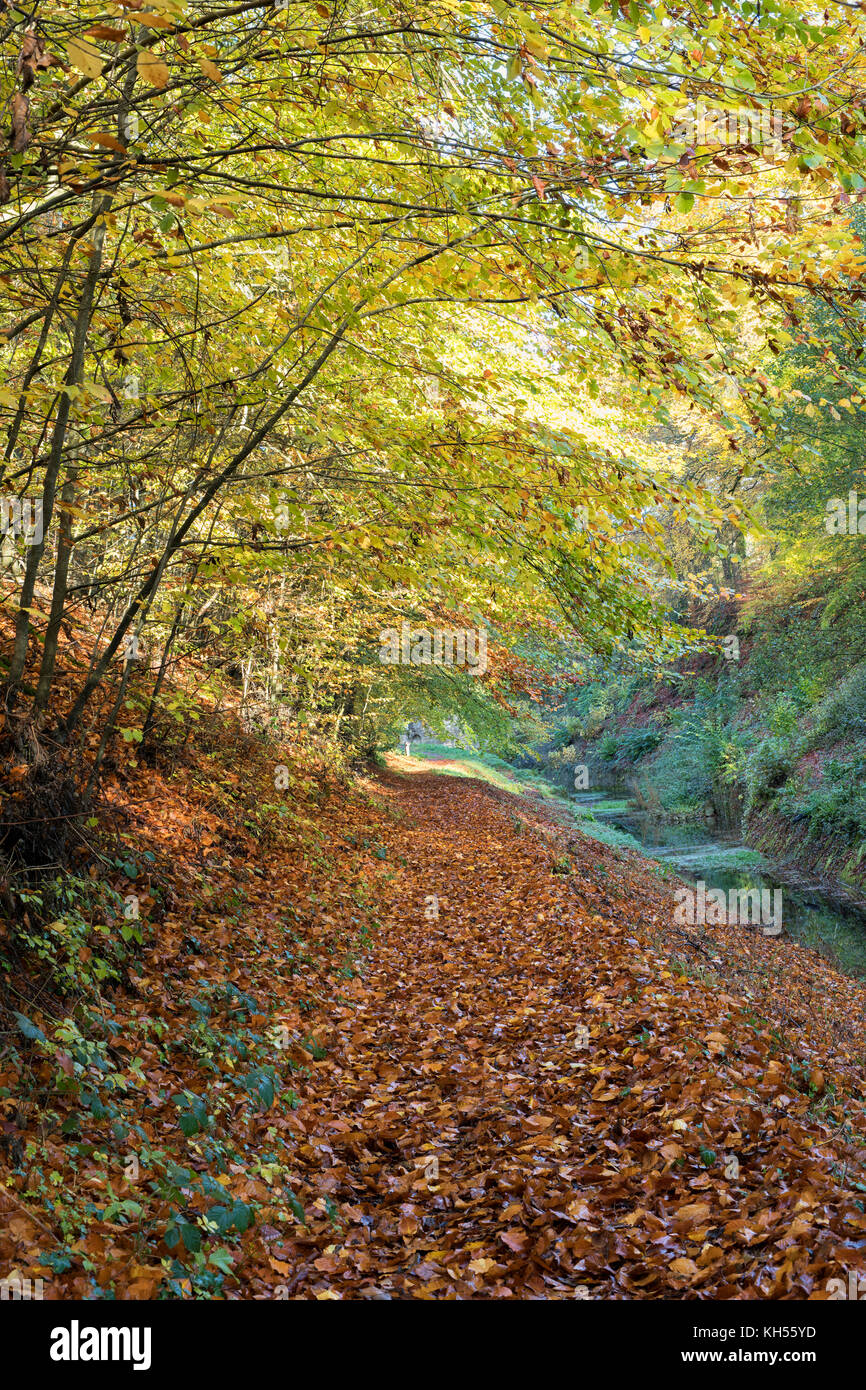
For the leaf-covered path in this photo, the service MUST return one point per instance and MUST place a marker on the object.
(414, 1038)
(526, 1100)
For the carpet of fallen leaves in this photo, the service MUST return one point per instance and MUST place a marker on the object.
(515, 1076)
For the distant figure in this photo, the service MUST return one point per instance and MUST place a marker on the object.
(408, 747)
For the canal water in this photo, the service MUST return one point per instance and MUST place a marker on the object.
(811, 912)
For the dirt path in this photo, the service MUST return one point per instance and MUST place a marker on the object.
(524, 1100)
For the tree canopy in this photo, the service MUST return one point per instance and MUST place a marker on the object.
(321, 316)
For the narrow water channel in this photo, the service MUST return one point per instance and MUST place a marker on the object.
(695, 854)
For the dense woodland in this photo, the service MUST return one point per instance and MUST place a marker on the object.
(489, 373)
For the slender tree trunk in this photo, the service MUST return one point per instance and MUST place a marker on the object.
(58, 597)
(160, 676)
(55, 456)
(106, 733)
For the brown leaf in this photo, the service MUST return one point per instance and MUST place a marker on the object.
(106, 32)
(515, 1240)
(20, 136)
(108, 142)
(693, 1212)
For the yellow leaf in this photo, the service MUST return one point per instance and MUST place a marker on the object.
(151, 69)
(536, 45)
(210, 69)
(84, 56)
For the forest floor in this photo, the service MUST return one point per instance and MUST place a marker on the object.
(500, 1069)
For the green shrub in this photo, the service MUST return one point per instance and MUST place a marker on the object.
(835, 806)
(783, 716)
(767, 767)
(607, 748)
(680, 771)
(637, 743)
(593, 721)
(843, 710)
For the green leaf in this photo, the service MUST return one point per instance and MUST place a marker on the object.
(190, 1235)
(28, 1028)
